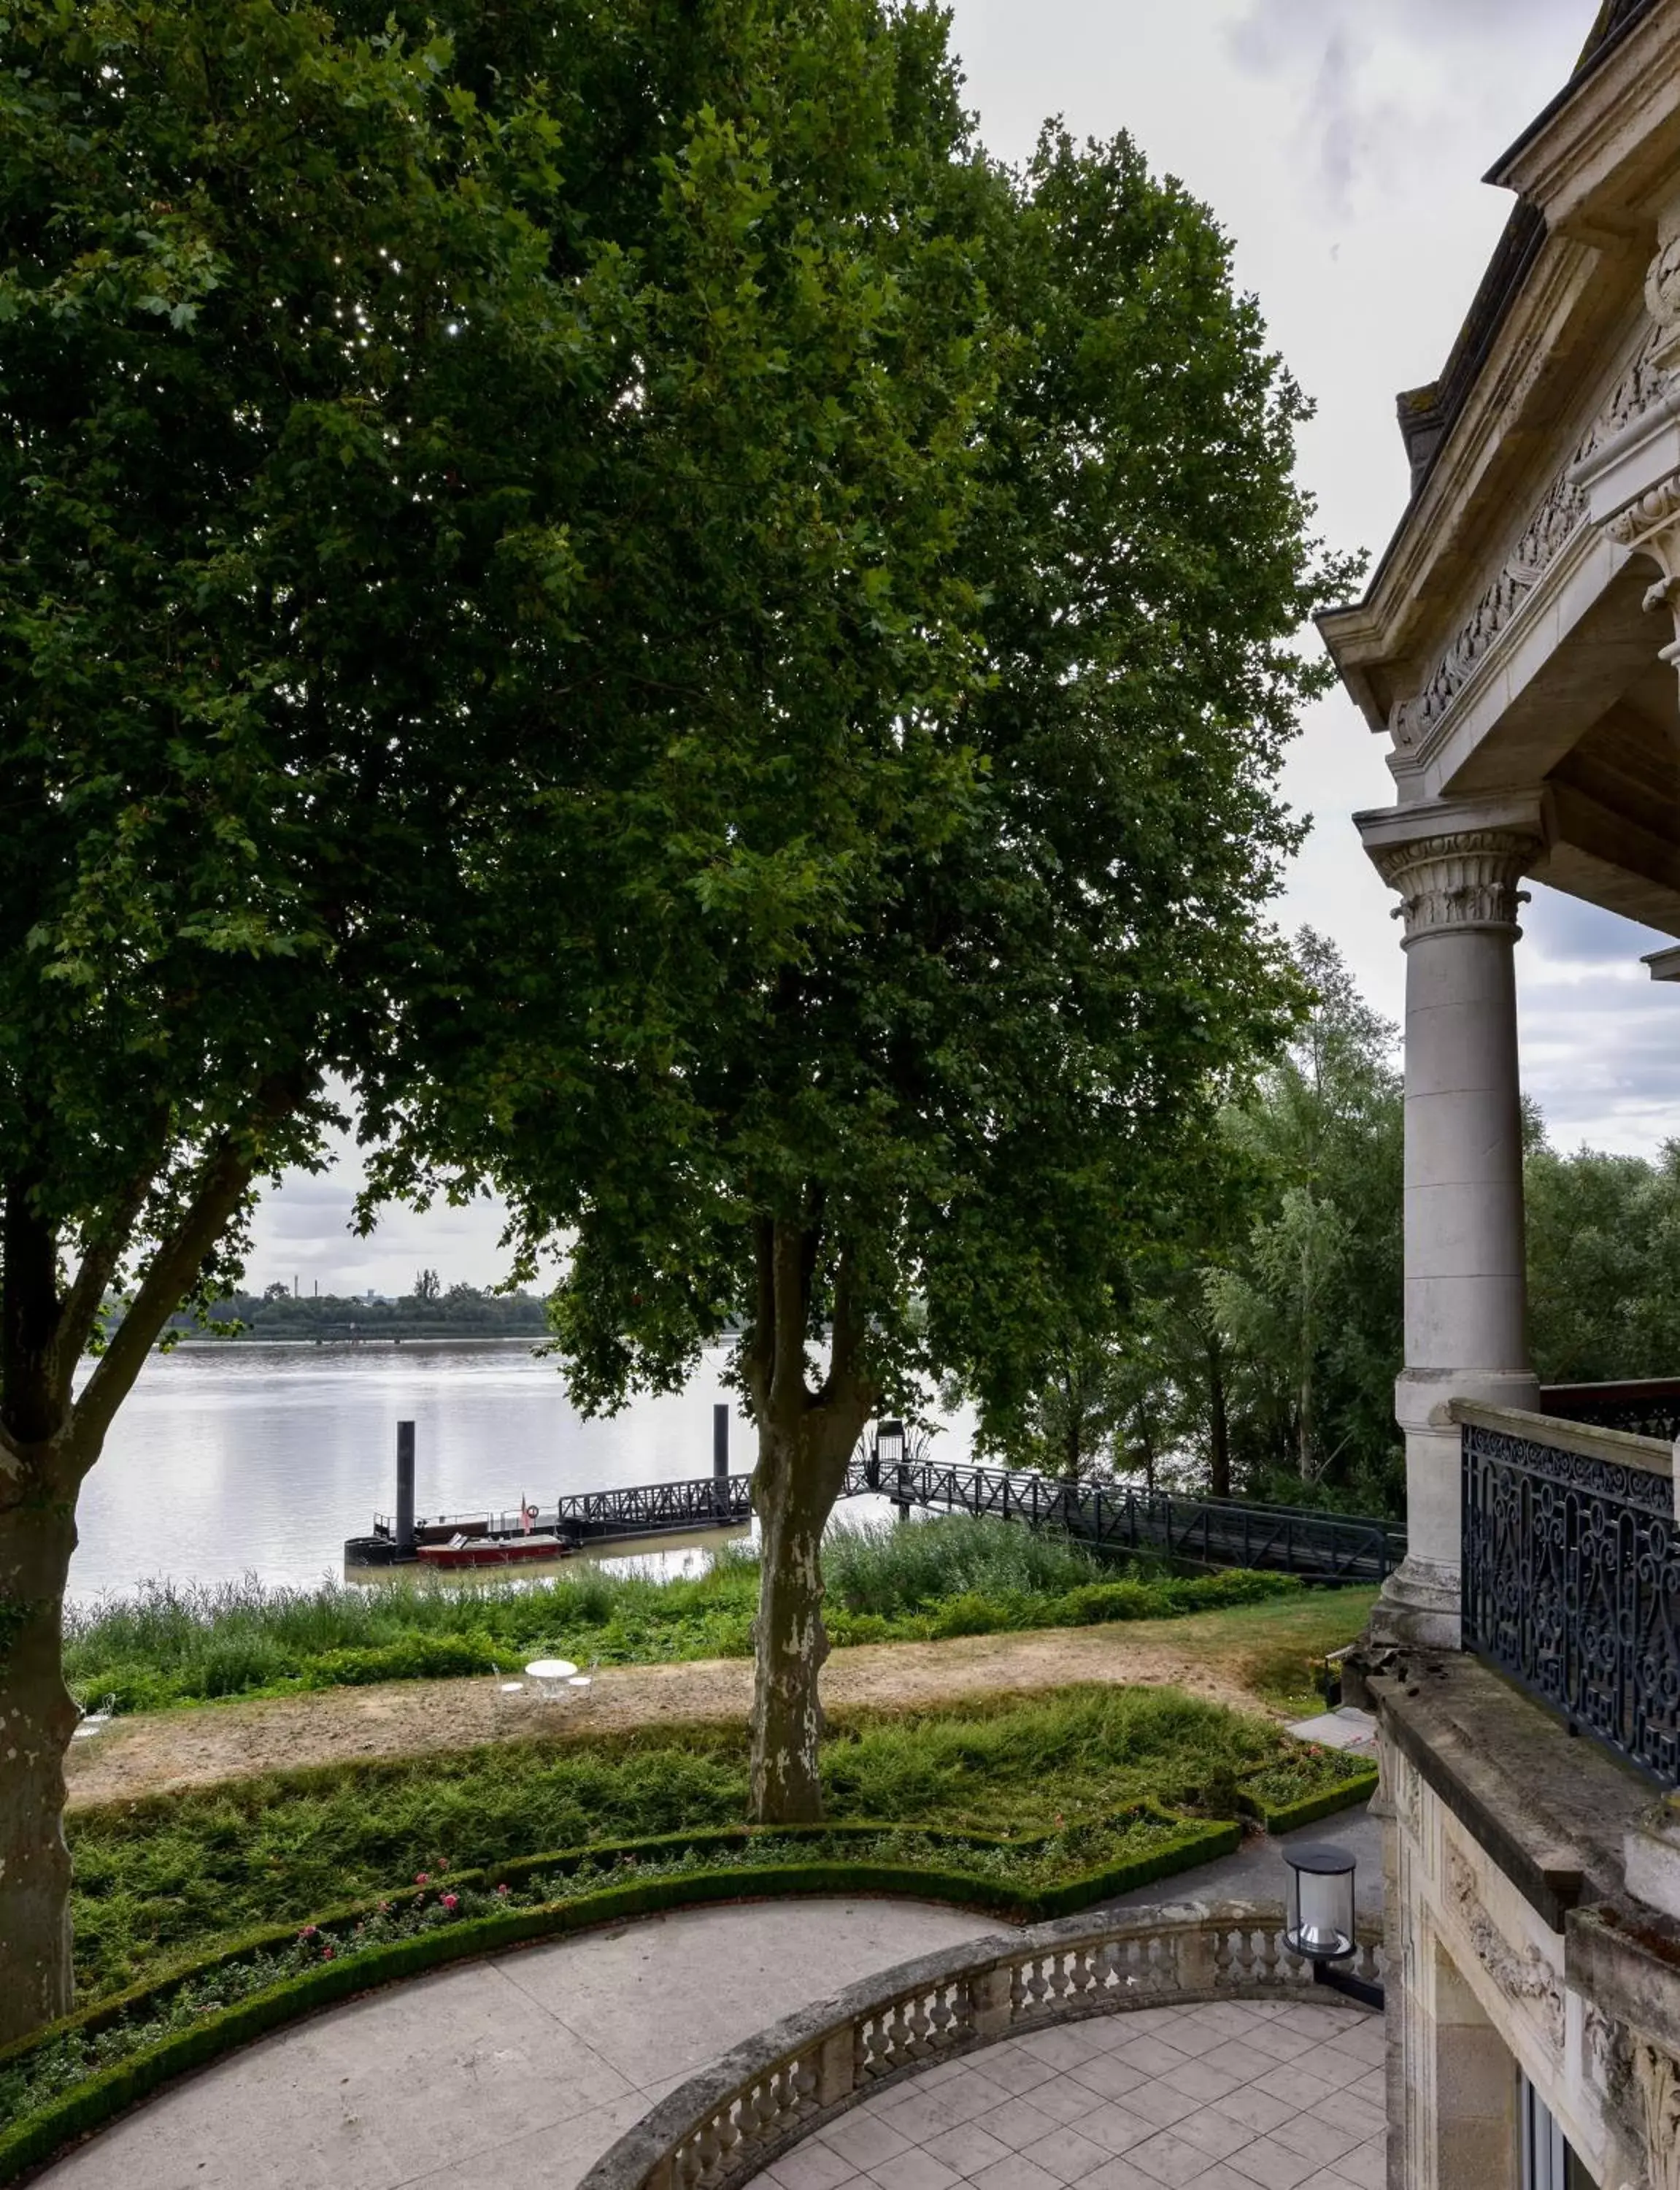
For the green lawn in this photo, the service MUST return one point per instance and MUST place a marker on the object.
(164, 1880)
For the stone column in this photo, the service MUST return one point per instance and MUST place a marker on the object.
(1465, 1288)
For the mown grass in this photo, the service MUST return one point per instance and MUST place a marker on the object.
(162, 1880)
(170, 1644)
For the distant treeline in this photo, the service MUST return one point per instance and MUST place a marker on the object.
(429, 1312)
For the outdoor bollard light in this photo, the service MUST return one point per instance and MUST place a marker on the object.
(893, 1451)
(1319, 1923)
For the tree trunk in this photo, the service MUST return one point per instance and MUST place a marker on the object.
(1218, 1424)
(804, 1439)
(37, 1534)
(794, 1499)
(48, 1443)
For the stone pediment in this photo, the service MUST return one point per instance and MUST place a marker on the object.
(1513, 638)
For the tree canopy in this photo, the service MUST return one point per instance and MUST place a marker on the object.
(389, 400)
(924, 936)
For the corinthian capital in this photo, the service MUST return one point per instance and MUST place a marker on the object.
(1468, 879)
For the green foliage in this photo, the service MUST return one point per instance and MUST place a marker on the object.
(1604, 1253)
(169, 1643)
(891, 1569)
(1255, 1342)
(283, 341)
(170, 1876)
(932, 944)
(1310, 1304)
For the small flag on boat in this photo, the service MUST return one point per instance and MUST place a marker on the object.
(528, 1514)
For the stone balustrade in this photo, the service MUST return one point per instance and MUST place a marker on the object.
(724, 2125)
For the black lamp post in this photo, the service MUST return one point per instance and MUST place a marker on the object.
(1319, 1925)
(893, 1451)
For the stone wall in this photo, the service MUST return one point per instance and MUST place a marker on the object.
(1480, 1985)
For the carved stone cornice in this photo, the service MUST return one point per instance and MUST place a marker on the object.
(1465, 880)
(1651, 526)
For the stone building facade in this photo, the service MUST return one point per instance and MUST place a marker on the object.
(1518, 648)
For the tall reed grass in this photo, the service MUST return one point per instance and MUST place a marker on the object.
(170, 1642)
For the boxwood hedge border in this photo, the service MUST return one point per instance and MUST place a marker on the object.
(1307, 1809)
(99, 2099)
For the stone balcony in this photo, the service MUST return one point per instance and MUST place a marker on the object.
(1533, 1852)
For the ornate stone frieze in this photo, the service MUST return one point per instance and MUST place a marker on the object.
(1460, 881)
(1525, 1978)
(1656, 2078)
(1662, 287)
(1559, 513)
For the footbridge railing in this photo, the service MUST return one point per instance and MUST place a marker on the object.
(1202, 1531)
(1208, 1532)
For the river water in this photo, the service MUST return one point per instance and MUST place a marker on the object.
(245, 1458)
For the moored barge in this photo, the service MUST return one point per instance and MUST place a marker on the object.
(530, 1534)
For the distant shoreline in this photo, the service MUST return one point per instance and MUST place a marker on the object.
(202, 1344)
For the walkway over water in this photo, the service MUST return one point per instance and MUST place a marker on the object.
(1210, 1532)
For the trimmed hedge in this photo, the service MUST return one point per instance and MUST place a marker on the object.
(1308, 1809)
(109, 2091)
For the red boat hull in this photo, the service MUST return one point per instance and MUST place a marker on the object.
(495, 1551)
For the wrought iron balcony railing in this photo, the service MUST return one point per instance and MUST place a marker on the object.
(1648, 1407)
(1571, 1574)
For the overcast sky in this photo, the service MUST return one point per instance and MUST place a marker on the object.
(1339, 143)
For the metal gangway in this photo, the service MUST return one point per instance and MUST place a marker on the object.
(1211, 1532)
(1208, 1532)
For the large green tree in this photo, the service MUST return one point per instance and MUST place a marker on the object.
(275, 308)
(373, 433)
(1310, 1302)
(917, 977)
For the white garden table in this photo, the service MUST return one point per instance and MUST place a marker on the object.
(549, 1675)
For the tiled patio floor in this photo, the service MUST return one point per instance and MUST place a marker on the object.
(1284, 2096)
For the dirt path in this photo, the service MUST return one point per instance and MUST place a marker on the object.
(150, 1754)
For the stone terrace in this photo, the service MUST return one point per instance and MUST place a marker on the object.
(1240, 2094)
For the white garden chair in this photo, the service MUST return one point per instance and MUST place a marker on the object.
(506, 1690)
(580, 1688)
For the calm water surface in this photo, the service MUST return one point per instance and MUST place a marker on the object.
(226, 1460)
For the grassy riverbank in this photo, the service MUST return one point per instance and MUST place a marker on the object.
(162, 1880)
(167, 1644)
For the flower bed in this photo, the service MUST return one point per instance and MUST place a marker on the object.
(82, 2072)
(1302, 1789)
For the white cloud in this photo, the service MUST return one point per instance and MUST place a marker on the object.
(304, 1234)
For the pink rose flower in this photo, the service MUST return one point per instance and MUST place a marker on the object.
(451, 1901)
